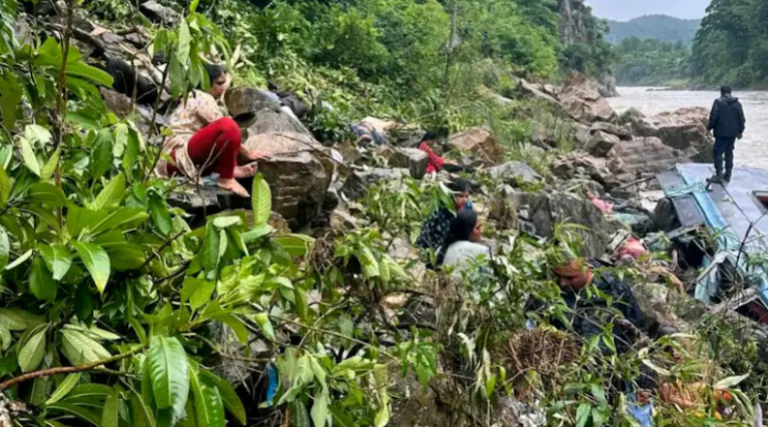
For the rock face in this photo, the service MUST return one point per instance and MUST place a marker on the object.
(481, 143)
(643, 157)
(547, 210)
(158, 13)
(246, 100)
(412, 159)
(684, 130)
(298, 174)
(275, 121)
(583, 102)
(514, 170)
(601, 143)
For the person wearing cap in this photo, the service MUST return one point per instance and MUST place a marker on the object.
(727, 122)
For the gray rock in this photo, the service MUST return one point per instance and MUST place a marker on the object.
(242, 101)
(514, 170)
(621, 132)
(601, 143)
(480, 143)
(582, 100)
(159, 13)
(547, 210)
(274, 121)
(684, 130)
(642, 157)
(356, 186)
(299, 174)
(412, 159)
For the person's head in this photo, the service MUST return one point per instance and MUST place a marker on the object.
(466, 227)
(460, 190)
(725, 90)
(429, 138)
(217, 77)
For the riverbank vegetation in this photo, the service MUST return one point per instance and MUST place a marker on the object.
(649, 62)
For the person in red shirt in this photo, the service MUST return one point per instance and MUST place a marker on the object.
(435, 163)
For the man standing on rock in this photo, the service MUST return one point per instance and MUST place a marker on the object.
(727, 121)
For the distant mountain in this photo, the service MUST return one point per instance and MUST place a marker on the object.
(660, 27)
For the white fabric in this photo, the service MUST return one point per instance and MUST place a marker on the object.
(462, 254)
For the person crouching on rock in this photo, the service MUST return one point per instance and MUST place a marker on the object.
(204, 139)
(435, 229)
(727, 122)
(462, 246)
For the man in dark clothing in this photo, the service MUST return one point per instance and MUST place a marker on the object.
(727, 121)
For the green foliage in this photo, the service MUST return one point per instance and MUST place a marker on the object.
(730, 48)
(650, 62)
(666, 29)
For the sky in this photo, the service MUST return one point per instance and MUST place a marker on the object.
(623, 10)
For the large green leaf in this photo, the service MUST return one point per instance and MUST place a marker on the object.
(185, 39)
(169, 372)
(5, 186)
(110, 417)
(299, 415)
(128, 217)
(111, 195)
(50, 166)
(320, 407)
(77, 411)
(57, 258)
(64, 388)
(18, 320)
(33, 351)
(208, 404)
(10, 98)
(79, 348)
(84, 303)
(261, 201)
(101, 155)
(79, 219)
(228, 395)
(197, 291)
(46, 193)
(28, 154)
(160, 215)
(5, 249)
(41, 282)
(132, 150)
(296, 245)
(209, 253)
(126, 256)
(142, 413)
(93, 74)
(96, 260)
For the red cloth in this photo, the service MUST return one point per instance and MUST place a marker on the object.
(435, 162)
(223, 138)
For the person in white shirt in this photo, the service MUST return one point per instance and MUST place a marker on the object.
(462, 245)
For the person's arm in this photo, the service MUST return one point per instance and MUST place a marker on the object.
(742, 119)
(714, 116)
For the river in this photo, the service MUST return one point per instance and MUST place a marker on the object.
(752, 150)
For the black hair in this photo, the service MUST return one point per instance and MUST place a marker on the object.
(725, 90)
(429, 136)
(459, 185)
(214, 72)
(461, 230)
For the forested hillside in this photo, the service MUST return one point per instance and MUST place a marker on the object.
(663, 28)
(732, 45)
(649, 62)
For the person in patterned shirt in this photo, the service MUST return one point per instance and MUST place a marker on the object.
(204, 138)
(435, 229)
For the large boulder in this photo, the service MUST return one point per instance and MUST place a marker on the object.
(299, 174)
(481, 143)
(643, 157)
(622, 132)
(412, 159)
(545, 94)
(582, 100)
(122, 106)
(242, 101)
(582, 165)
(514, 170)
(274, 121)
(601, 143)
(684, 130)
(548, 210)
(159, 13)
